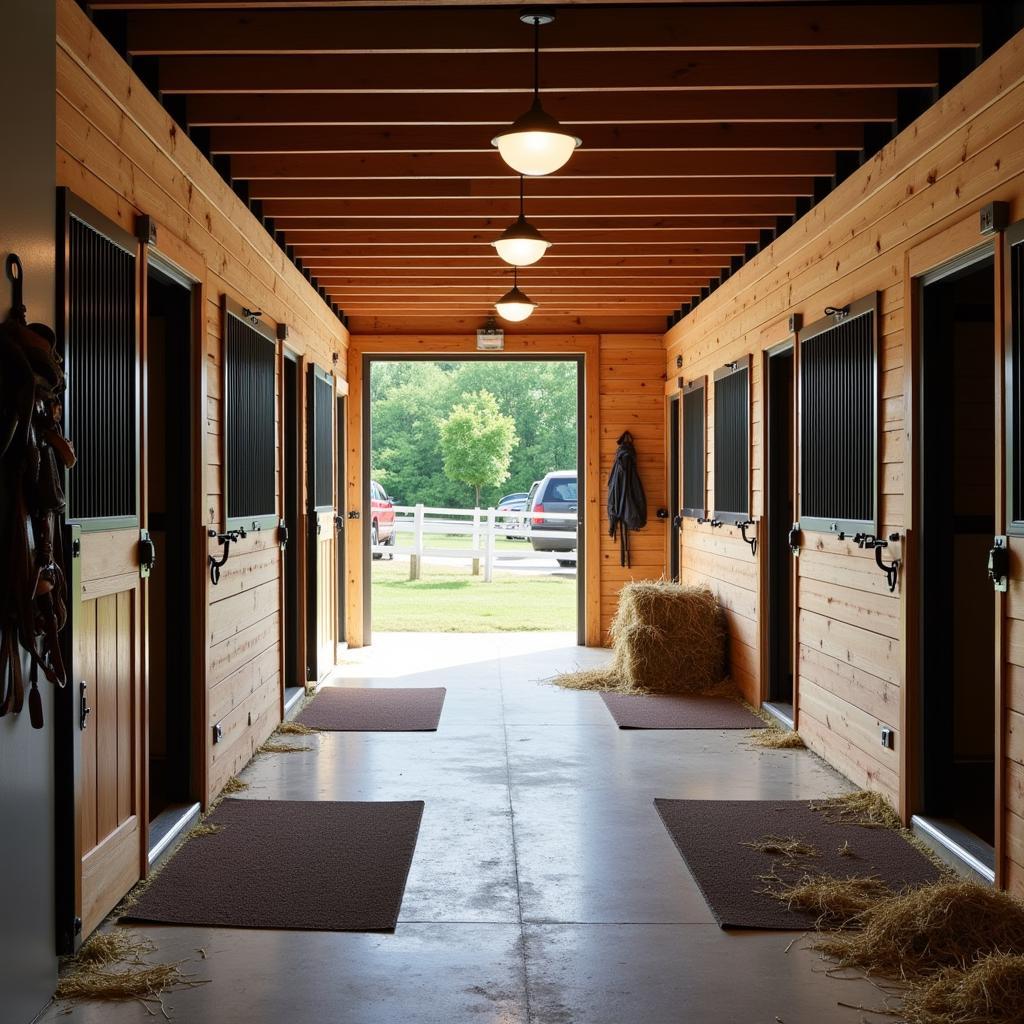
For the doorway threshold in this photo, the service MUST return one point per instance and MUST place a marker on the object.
(167, 826)
(780, 711)
(962, 850)
(292, 696)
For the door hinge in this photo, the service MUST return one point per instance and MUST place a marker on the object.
(999, 564)
(84, 711)
(282, 534)
(147, 554)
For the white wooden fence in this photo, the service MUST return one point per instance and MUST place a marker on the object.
(483, 526)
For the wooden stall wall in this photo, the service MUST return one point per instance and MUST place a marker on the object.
(119, 151)
(623, 390)
(966, 151)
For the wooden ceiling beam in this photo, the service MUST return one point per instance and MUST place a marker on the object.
(595, 233)
(661, 248)
(568, 188)
(426, 261)
(618, 164)
(474, 139)
(397, 5)
(429, 29)
(495, 109)
(578, 72)
(305, 212)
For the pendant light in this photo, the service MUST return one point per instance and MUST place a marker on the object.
(536, 143)
(521, 244)
(514, 305)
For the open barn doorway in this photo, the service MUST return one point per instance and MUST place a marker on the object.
(956, 449)
(473, 495)
(169, 414)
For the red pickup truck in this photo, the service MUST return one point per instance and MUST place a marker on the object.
(382, 519)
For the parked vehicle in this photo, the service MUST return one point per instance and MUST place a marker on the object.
(557, 492)
(513, 503)
(383, 529)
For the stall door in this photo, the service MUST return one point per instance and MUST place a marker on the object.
(101, 342)
(321, 600)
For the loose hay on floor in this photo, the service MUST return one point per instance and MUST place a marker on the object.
(776, 739)
(667, 638)
(295, 729)
(864, 808)
(916, 933)
(271, 747)
(110, 967)
(989, 991)
(836, 902)
(783, 846)
(234, 785)
(205, 829)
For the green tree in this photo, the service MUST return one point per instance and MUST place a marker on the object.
(477, 441)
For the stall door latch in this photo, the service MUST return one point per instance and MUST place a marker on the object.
(999, 564)
(147, 554)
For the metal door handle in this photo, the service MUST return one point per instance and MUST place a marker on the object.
(84, 711)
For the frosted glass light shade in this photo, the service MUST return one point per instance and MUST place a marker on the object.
(521, 244)
(535, 144)
(514, 305)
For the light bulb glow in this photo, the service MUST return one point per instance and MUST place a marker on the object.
(535, 144)
(514, 306)
(521, 244)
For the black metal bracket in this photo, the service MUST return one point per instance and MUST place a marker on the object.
(703, 519)
(752, 541)
(891, 569)
(282, 534)
(225, 540)
(795, 535)
(716, 523)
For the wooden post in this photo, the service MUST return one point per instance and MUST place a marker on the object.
(489, 547)
(476, 540)
(416, 559)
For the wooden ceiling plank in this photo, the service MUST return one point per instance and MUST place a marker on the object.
(305, 213)
(584, 236)
(299, 195)
(621, 164)
(590, 72)
(474, 139)
(431, 29)
(493, 110)
(610, 249)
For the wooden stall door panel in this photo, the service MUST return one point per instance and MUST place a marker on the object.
(326, 609)
(109, 666)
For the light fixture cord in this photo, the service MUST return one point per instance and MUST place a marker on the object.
(522, 209)
(536, 59)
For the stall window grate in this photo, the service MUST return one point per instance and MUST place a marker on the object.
(732, 442)
(839, 421)
(321, 394)
(1015, 381)
(101, 346)
(694, 450)
(250, 360)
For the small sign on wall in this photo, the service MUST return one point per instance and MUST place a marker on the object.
(490, 338)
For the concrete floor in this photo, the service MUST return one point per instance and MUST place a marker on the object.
(544, 889)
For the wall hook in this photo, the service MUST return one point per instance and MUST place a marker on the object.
(225, 540)
(752, 541)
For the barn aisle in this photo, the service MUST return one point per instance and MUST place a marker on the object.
(544, 889)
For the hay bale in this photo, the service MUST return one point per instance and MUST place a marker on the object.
(667, 638)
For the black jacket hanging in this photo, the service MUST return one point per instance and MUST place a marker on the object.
(627, 504)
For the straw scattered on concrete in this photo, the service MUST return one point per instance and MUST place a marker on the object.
(295, 729)
(774, 738)
(862, 807)
(234, 785)
(272, 747)
(110, 967)
(835, 902)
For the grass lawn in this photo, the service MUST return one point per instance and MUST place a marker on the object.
(452, 601)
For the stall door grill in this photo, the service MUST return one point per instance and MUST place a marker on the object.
(839, 423)
(250, 358)
(732, 442)
(1015, 384)
(694, 451)
(321, 391)
(101, 356)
